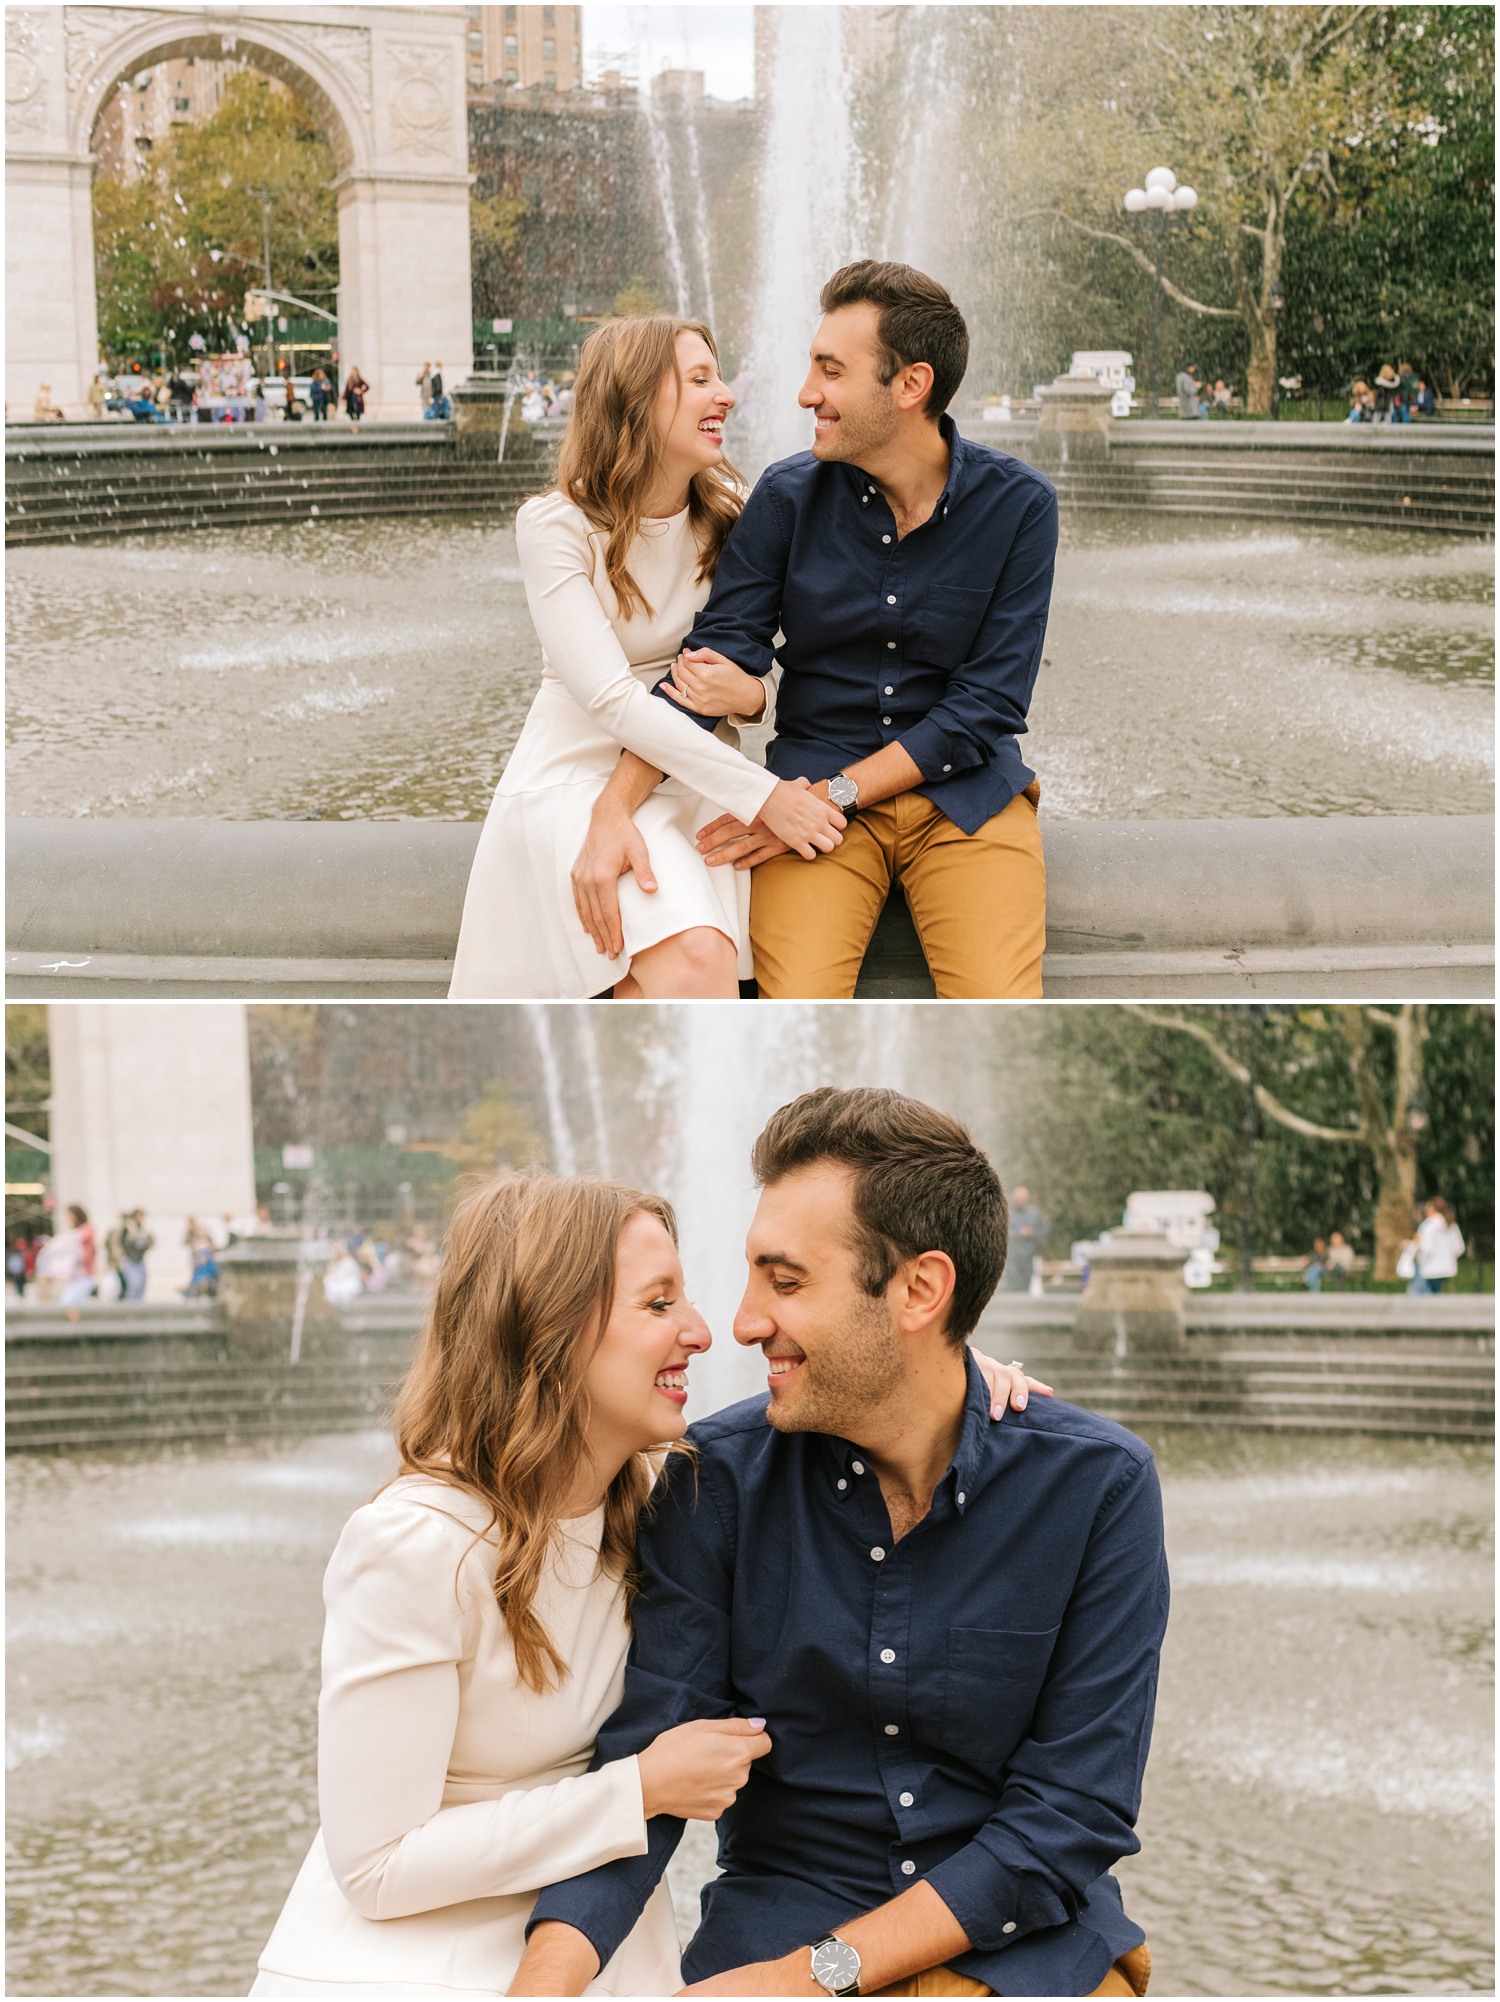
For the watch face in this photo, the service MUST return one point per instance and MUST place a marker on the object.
(842, 791)
(835, 1966)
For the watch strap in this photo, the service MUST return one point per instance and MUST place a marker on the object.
(850, 1987)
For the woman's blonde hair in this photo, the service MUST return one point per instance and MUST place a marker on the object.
(610, 454)
(494, 1402)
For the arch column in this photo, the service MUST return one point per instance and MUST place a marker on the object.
(51, 319)
(404, 294)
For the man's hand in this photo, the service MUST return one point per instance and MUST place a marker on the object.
(613, 847)
(791, 1975)
(729, 840)
(558, 1960)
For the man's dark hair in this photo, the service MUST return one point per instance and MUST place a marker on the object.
(920, 1184)
(918, 322)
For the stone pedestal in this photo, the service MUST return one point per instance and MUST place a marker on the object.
(480, 421)
(151, 1109)
(272, 1300)
(1075, 423)
(1135, 1301)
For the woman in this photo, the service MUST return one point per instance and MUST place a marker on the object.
(617, 562)
(478, 1613)
(356, 389)
(1439, 1247)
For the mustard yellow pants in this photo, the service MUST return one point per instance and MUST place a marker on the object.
(978, 902)
(1130, 1975)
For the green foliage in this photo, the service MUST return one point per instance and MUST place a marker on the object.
(28, 1066)
(1158, 1111)
(494, 1133)
(177, 250)
(636, 300)
(1344, 154)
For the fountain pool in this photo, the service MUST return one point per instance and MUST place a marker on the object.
(1321, 1763)
(378, 670)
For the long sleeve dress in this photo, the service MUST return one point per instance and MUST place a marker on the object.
(521, 937)
(449, 1792)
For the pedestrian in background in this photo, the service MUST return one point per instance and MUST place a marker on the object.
(1189, 392)
(320, 394)
(356, 389)
(1027, 1229)
(1440, 1245)
(136, 1241)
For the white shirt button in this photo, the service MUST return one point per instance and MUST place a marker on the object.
(890, 688)
(962, 1497)
(885, 538)
(890, 646)
(908, 1868)
(892, 1730)
(885, 719)
(864, 500)
(890, 601)
(872, 490)
(842, 1486)
(947, 768)
(887, 1654)
(907, 1799)
(858, 1466)
(1009, 1926)
(877, 1553)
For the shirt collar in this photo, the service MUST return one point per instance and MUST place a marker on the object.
(863, 487)
(847, 1467)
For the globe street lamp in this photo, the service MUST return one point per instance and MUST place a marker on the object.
(1162, 196)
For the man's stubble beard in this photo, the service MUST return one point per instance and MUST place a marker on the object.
(865, 435)
(863, 1363)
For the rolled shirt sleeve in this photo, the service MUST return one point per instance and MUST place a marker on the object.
(679, 1669)
(1072, 1787)
(989, 693)
(743, 612)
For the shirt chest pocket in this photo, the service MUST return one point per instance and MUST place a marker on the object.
(994, 1677)
(945, 623)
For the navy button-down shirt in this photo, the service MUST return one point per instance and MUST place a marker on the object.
(970, 1706)
(931, 640)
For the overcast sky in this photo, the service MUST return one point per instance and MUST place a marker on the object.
(717, 39)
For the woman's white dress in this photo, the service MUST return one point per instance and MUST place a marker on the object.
(450, 1793)
(521, 937)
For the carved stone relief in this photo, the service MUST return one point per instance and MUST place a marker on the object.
(421, 114)
(25, 78)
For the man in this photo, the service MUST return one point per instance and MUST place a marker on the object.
(950, 1628)
(910, 572)
(1189, 391)
(1027, 1229)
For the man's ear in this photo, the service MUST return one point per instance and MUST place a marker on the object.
(925, 1292)
(913, 384)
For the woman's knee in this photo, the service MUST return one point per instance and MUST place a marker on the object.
(700, 964)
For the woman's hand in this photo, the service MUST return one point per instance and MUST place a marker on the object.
(710, 685)
(695, 1770)
(1008, 1384)
(804, 820)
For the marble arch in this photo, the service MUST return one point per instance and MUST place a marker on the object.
(387, 85)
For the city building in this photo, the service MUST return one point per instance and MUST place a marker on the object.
(148, 107)
(524, 48)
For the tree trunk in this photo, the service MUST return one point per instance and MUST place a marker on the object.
(1395, 1206)
(1261, 375)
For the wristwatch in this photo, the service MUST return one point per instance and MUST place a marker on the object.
(843, 792)
(835, 1965)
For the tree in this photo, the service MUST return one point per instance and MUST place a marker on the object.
(494, 1133)
(178, 249)
(637, 300)
(1383, 1101)
(1342, 155)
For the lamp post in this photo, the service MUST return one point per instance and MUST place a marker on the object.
(1278, 300)
(1162, 196)
(265, 197)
